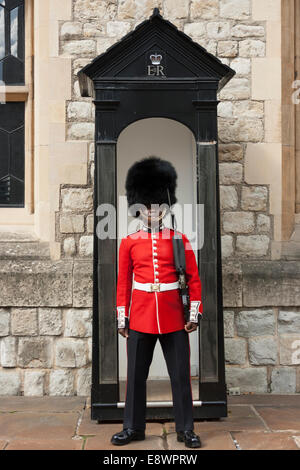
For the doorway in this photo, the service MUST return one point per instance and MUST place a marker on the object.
(172, 141)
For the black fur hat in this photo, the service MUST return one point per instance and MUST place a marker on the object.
(147, 182)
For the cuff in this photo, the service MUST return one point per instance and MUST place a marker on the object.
(194, 310)
(122, 319)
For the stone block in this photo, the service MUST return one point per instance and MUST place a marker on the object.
(283, 380)
(204, 10)
(81, 131)
(72, 224)
(271, 283)
(288, 322)
(82, 47)
(254, 198)
(232, 284)
(78, 323)
(226, 245)
(240, 129)
(83, 284)
(77, 199)
(218, 29)
(4, 322)
(238, 222)
(24, 321)
(241, 65)
(230, 152)
(61, 382)
(35, 352)
(70, 352)
(228, 323)
(289, 349)
(50, 321)
(252, 48)
(263, 223)
(227, 48)
(248, 379)
(69, 246)
(235, 350)
(255, 323)
(70, 29)
(230, 173)
(252, 245)
(195, 30)
(236, 10)
(34, 383)
(10, 382)
(86, 245)
(8, 352)
(245, 30)
(228, 198)
(90, 223)
(262, 350)
(84, 381)
(36, 283)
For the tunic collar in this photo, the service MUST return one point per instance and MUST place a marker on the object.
(153, 229)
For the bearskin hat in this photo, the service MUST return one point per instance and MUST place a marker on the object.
(147, 182)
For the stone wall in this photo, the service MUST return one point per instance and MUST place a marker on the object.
(45, 322)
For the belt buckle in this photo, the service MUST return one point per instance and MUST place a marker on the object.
(155, 287)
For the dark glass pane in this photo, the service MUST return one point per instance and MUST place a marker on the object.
(12, 68)
(10, 4)
(4, 150)
(12, 150)
(12, 42)
(17, 150)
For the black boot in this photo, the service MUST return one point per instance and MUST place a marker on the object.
(127, 435)
(189, 438)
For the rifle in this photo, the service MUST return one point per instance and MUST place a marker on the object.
(179, 258)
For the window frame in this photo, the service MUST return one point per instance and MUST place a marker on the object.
(10, 214)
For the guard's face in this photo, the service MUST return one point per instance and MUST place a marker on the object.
(152, 215)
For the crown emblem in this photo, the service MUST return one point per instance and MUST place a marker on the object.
(156, 59)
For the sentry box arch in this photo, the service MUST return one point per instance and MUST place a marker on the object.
(156, 71)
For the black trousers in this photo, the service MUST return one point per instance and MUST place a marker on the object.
(176, 350)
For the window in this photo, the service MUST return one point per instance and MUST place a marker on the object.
(12, 106)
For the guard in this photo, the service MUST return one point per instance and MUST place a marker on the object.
(149, 306)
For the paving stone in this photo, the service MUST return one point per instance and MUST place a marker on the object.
(276, 418)
(266, 399)
(44, 425)
(239, 418)
(265, 441)
(3, 444)
(213, 440)
(45, 444)
(88, 426)
(102, 442)
(42, 404)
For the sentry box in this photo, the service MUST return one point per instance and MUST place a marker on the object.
(155, 92)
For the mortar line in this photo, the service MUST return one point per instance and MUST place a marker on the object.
(237, 445)
(261, 418)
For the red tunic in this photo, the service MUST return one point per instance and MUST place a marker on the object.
(148, 257)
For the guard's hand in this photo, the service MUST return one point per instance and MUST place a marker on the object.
(190, 326)
(123, 332)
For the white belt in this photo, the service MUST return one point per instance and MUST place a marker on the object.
(158, 286)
